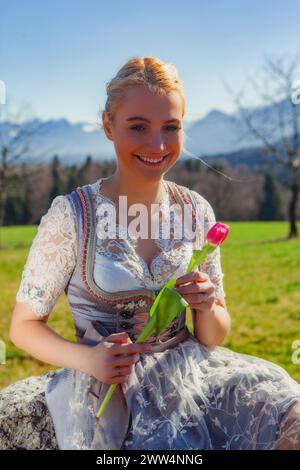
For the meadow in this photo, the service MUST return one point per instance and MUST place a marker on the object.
(261, 281)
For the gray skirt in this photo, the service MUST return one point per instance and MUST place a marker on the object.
(187, 397)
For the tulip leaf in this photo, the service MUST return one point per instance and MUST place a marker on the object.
(169, 284)
(196, 259)
(170, 306)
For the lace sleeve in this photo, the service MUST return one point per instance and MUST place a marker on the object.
(51, 258)
(212, 264)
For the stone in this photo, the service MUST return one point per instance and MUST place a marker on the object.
(25, 422)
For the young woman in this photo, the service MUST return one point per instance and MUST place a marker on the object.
(183, 391)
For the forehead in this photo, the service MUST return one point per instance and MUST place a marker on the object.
(142, 102)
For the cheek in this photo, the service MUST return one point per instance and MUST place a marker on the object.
(124, 146)
(176, 145)
(129, 145)
(132, 137)
(175, 138)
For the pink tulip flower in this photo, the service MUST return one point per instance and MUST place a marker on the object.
(217, 234)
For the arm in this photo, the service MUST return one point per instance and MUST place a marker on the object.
(49, 265)
(212, 327)
(110, 361)
(33, 335)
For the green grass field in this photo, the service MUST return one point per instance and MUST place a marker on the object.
(262, 285)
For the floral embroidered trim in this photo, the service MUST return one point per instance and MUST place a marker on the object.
(119, 299)
(124, 299)
(186, 200)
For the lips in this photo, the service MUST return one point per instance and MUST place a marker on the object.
(153, 160)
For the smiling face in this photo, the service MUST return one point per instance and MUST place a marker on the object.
(158, 136)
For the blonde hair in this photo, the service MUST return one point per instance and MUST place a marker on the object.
(149, 72)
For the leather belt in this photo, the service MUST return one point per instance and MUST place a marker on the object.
(96, 332)
(159, 346)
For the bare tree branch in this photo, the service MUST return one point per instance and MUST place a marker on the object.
(285, 149)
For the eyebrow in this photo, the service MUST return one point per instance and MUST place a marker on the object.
(141, 118)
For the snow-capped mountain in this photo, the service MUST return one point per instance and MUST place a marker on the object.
(215, 133)
(72, 142)
(221, 133)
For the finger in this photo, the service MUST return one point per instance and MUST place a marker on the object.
(119, 371)
(206, 301)
(122, 372)
(196, 275)
(205, 287)
(117, 380)
(125, 360)
(121, 338)
(127, 349)
(198, 298)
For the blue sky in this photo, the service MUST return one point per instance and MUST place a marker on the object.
(56, 56)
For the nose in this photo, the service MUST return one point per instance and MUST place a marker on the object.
(157, 145)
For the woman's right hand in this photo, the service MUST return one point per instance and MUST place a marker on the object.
(112, 360)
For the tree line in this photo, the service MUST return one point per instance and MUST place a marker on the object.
(237, 193)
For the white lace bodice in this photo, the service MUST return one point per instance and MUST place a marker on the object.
(118, 266)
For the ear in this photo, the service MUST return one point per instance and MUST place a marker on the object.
(107, 126)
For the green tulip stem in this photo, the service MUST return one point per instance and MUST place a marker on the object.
(106, 400)
(159, 318)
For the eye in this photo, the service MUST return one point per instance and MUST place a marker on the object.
(136, 127)
(172, 128)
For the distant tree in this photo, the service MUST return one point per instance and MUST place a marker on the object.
(26, 206)
(16, 138)
(86, 171)
(276, 91)
(270, 208)
(88, 161)
(17, 211)
(58, 186)
(72, 179)
(13, 212)
(188, 164)
(192, 164)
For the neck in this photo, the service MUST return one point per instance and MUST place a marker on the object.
(146, 192)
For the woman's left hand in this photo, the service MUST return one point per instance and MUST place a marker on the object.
(199, 293)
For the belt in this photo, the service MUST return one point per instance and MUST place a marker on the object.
(96, 332)
(159, 346)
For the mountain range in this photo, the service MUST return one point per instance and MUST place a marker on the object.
(216, 133)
